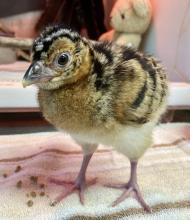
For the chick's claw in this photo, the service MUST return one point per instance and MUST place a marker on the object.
(78, 185)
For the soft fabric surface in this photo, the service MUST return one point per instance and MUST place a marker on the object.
(163, 173)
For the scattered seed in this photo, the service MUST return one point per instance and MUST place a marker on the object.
(53, 203)
(5, 175)
(30, 203)
(33, 194)
(42, 193)
(19, 184)
(42, 185)
(18, 168)
(34, 179)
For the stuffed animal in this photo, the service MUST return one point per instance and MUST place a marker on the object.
(129, 20)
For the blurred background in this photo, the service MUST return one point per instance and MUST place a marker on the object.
(158, 27)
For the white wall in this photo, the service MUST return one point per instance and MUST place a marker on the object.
(169, 37)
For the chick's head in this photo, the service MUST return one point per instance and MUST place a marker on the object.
(59, 57)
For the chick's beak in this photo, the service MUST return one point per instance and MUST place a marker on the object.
(32, 74)
(36, 73)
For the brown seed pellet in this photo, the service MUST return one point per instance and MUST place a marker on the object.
(42, 185)
(34, 179)
(52, 204)
(18, 168)
(30, 203)
(19, 184)
(33, 194)
(5, 175)
(42, 193)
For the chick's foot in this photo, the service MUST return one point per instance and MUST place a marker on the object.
(130, 188)
(79, 185)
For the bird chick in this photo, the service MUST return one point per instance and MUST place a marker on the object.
(98, 92)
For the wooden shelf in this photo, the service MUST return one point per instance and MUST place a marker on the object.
(14, 98)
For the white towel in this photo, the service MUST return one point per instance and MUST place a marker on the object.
(163, 175)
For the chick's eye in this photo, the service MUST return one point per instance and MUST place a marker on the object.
(63, 59)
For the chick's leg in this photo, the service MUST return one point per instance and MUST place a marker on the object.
(131, 187)
(79, 184)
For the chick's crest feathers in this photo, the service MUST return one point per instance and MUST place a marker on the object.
(48, 36)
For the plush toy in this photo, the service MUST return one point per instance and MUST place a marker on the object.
(129, 20)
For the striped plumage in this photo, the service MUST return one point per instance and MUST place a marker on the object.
(106, 93)
(135, 83)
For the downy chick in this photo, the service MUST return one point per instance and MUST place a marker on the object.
(98, 92)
